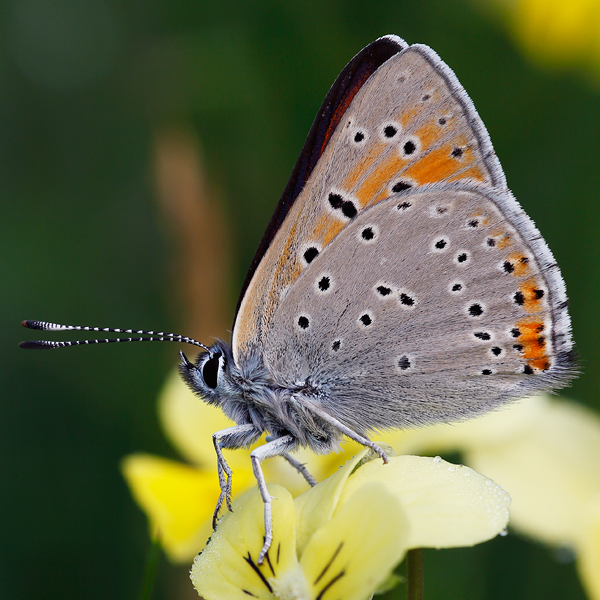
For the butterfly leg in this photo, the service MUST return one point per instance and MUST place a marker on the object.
(300, 467)
(277, 447)
(343, 429)
(232, 437)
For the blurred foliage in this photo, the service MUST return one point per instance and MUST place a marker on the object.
(86, 88)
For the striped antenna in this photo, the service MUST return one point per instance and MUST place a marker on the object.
(156, 336)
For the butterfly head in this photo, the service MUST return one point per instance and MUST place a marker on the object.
(209, 376)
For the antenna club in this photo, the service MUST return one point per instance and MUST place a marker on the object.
(36, 345)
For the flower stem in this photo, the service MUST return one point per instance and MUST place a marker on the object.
(414, 574)
(150, 570)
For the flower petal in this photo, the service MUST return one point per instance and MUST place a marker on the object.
(446, 505)
(551, 470)
(315, 507)
(355, 551)
(179, 501)
(588, 561)
(227, 567)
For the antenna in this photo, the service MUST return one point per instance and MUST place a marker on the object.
(156, 336)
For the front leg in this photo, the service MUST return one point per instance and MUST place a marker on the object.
(238, 436)
(277, 447)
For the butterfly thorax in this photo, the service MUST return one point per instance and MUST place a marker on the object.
(252, 396)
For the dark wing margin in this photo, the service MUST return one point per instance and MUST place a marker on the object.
(342, 92)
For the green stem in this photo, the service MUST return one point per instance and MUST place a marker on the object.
(414, 574)
(150, 571)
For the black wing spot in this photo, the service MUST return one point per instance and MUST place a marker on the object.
(441, 244)
(367, 233)
(426, 97)
(491, 242)
(483, 335)
(324, 283)
(404, 205)
(474, 223)
(462, 257)
(527, 370)
(359, 137)
(383, 290)
(336, 201)
(404, 363)
(496, 351)
(538, 294)
(310, 254)
(366, 319)
(336, 345)
(475, 310)
(389, 131)
(401, 186)
(518, 347)
(515, 332)
(457, 152)
(508, 267)
(409, 147)
(407, 300)
(519, 298)
(457, 287)
(346, 206)
(348, 209)
(303, 322)
(486, 372)
(442, 121)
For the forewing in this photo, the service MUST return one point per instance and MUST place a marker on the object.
(410, 124)
(432, 305)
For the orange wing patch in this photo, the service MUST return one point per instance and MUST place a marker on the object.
(326, 229)
(519, 263)
(439, 164)
(474, 173)
(502, 238)
(381, 178)
(531, 296)
(359, 172)
(428, 135)
(409, 115)
(477, 218)
(287, 270)
(532, 343)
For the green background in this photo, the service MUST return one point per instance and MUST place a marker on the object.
(84, 87)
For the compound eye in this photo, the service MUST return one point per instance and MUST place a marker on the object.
(210, 371)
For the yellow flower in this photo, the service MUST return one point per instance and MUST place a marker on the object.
(555, 33)
(545, 452)
(343, 537)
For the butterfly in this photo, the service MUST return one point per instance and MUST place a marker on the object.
(398, 284)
